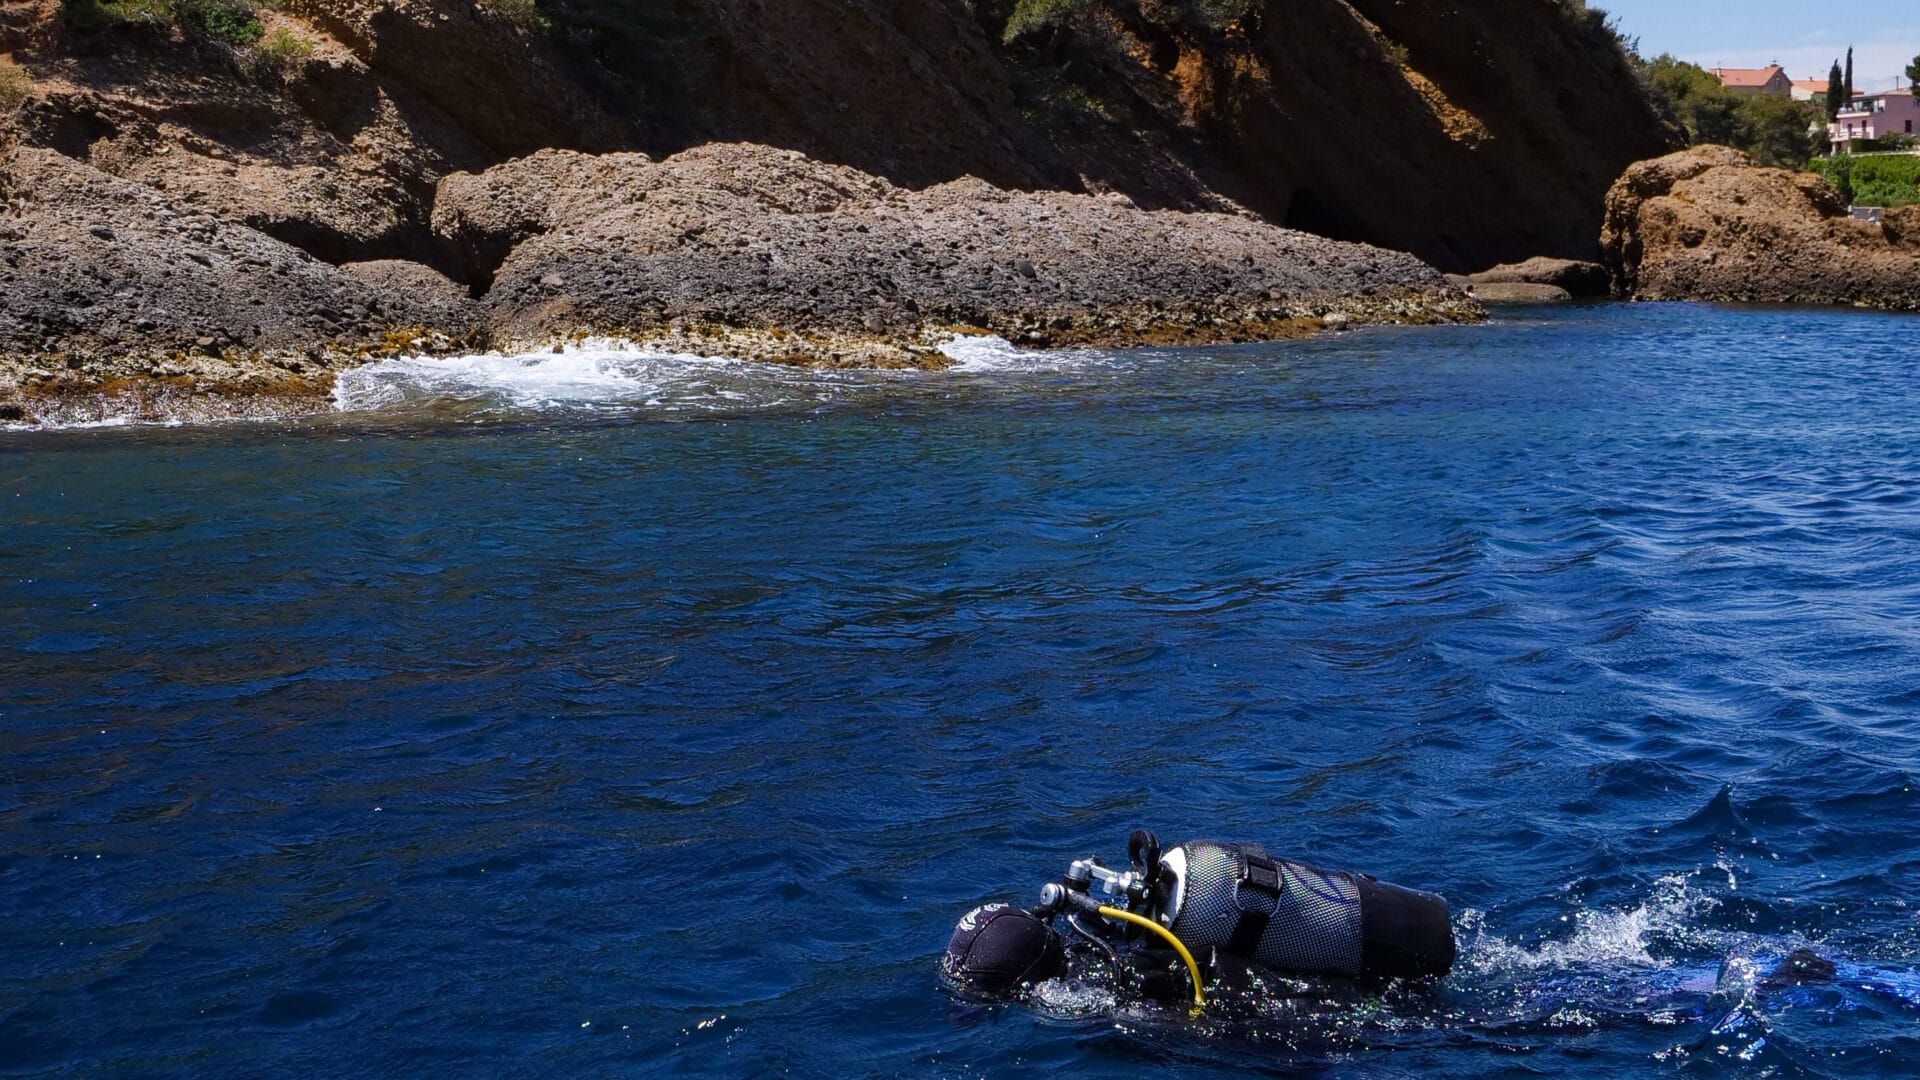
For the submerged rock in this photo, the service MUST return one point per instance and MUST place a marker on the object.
(1575, 278)
(1709, 224)
(1520, 292)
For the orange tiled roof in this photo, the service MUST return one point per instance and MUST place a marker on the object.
(1746, 76)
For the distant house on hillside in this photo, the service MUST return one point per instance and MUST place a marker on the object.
(1753, 82)
(1869, 116)
(1811, 90)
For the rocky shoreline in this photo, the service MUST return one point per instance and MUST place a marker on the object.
(123, 303)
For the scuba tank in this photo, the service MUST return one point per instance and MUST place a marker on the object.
(1293, 917)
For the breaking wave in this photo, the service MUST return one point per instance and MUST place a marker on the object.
(593, 374)
(616, 375)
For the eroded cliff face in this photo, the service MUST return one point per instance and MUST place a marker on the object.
(1469, 133)
(1466, 133)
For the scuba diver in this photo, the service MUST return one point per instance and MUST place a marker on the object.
(1227, 913)
(1227, 931)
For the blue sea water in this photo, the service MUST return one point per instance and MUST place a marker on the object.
(616, 714)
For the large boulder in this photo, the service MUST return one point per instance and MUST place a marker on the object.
(739, 237)
(1709, 224)
(108, 281)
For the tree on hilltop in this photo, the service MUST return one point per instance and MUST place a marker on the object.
(1836, 92)
(1778, 131)
(1693, 96)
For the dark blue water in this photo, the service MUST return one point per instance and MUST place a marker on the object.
(662, 720)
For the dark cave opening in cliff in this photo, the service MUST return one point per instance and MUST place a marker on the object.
(1309, 211)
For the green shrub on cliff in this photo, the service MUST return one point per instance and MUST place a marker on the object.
(284, 44)
(1875, 180)
(1597, 30)
(525, 14)
(1886, 180)
(235, 22)
(1838, 170)
(232, 21)
(1035, 16)
(1031, 16)
(93, 16)
(14, 84)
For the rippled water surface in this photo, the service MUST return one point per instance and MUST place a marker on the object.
(611, 713)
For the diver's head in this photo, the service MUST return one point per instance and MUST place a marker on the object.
(998, 948)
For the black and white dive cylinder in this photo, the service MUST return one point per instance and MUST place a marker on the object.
(1292, 917)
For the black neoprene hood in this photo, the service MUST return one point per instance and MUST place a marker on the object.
(999, 948)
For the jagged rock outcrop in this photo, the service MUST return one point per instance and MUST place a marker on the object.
(734, 237)
(1709, 224)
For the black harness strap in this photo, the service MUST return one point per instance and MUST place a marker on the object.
(1256, 872)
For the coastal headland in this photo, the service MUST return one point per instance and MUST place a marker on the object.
(208, 212)
(120, 301)
(210, 207)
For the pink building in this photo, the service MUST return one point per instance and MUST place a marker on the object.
(1869, 116)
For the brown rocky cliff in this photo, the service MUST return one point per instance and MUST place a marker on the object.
(1466, 133)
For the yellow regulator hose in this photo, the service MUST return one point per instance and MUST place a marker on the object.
(1193, 969)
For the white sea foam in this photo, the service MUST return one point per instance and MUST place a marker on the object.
(1600, 938)
(609, 373)
(973, 353)
(1066, 998)
(594, 373)
(986, 354)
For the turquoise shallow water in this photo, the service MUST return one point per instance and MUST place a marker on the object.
(615, 714)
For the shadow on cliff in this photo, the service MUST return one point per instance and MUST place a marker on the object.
(1466, 133)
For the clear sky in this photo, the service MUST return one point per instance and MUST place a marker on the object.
(1804, 36)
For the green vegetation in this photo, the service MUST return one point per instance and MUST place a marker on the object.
(1892, 180)
(284, 44)
(525, 14)
(1838, 170)
(1032, 16)
(1695, 98)
(1836, 92)
(1221, 14)
(1892, 140)
(232, 21)
(1028, 17)
(1597, 30)
(1774, 130)
(235, 22)
(1913, 76)
(1778, 131)
(93, 16)
(14, 84)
